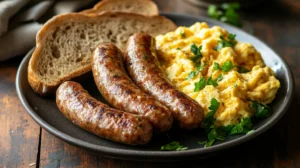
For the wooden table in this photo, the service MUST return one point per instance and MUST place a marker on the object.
(24, 144)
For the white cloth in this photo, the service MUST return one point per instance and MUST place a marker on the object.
(20, 20)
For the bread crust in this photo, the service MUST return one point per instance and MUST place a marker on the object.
(98, 8)
(45, 89)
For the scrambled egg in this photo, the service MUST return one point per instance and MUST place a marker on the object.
(259, 84)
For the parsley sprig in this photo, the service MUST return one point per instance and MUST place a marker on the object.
(173, 146)
(227, 13)
(243, 127)
(192, 74)
(209, 117)
(197, 52)
(182, 34)
(261, 110)
(220, 133)
(228, 65)
(203, 82)
(222, 43)
(242, 69)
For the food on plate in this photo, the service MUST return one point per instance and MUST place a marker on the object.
(144, 7)
(143, 67)
(120, 91)
(209, 63)
(88, 113)
(65, 44)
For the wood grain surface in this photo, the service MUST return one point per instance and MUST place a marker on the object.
(277, 23)
(19, 134)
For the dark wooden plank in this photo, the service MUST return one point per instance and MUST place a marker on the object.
(277, 24)
(19, 134)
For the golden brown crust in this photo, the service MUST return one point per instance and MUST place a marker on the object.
(43, 88)
(144, 68)
(100, 6)
(120, 91)
(92, 115)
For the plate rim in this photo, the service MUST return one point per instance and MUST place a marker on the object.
(139, 154)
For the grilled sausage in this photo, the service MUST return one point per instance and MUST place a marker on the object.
(120, 91)
(144, 68)
(88, 113)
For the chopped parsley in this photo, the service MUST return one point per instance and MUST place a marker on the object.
(227, 13)
(217, 66)
(209, 117)
(243, 70)
(197, 52)
(220, 133)
(261, 110)
(203, 82)
(192, 74)
(200, 84)
(173, 146)
(227, 66)
(182, 34)
(243, 127)
(177, 48)
(222, 43)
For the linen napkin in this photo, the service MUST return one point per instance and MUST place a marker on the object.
(20, 20)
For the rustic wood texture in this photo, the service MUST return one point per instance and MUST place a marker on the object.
(276, 23)
(19, 134)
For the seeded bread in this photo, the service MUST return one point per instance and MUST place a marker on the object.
(65, 44)
(144, 7)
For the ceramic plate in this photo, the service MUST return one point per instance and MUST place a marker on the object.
(47, 115)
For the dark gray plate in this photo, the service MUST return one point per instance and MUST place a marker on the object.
(46, 114)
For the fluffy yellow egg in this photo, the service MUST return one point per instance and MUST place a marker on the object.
(176, 58)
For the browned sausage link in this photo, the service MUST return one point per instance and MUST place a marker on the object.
(119, 90)
(98, 118)
(144, 68)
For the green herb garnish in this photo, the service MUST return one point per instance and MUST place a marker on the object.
(210, 81)
(227, 13)
(226, 43)
(200, 84)
(182, 34)
(213, 12)
(173, 146)
(243, 70)
(203, 82)
(227, 66)
(217, 66)
(209, 117)
(208, 122)
(261, 110)
(197, 52)
(220, 133)
(192, 74)
(242, 128)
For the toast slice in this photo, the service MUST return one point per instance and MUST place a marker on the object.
(65, 44)
(143, 7)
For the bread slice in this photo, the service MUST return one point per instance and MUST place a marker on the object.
(144, 7)
(65, 43)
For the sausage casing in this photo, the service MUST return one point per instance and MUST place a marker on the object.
(90, 114)
(144, 68)
(121, 92)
